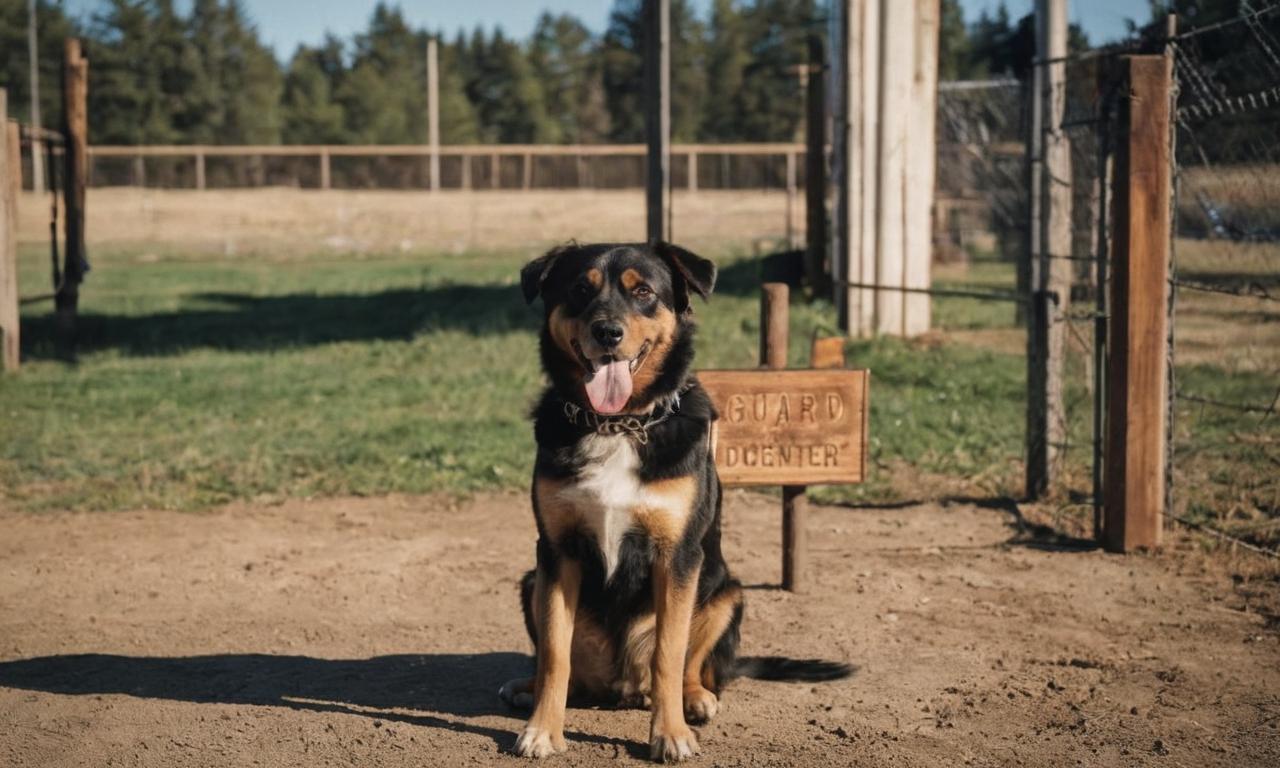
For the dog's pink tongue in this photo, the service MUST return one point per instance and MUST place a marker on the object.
(610, 388)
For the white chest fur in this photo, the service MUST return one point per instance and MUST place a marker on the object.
(608, 494)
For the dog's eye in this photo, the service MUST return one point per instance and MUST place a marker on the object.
(582, 291)
(642, 292)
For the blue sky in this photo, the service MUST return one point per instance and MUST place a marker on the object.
(284, 24)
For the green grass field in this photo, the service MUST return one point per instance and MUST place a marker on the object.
(201, 381)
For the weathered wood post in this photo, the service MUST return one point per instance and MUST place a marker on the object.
(528, 171)
(657, 117)
(10, 181)
(792, 239)
(75, 93)
(693, 170)
(774, 338)
(815, 172)
(1137, 386)
(1050, 270)
(200, 181)
(325, 179)
(433, 112)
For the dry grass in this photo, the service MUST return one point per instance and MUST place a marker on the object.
(304, 222)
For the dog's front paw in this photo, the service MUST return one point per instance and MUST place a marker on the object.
(672, 744)
(539, 742)
(700, 705)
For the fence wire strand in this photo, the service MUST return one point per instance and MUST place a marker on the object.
(1225, 280)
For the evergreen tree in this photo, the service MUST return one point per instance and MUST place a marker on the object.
(727, 61)
(52, 27)
(622, 51)
(311, 113)
(953, 42)
(562, 55)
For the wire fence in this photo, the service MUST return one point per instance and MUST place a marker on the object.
(1224, 448)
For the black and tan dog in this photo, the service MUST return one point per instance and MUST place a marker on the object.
(631, 600)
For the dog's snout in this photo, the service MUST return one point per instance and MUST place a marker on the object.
(607, 333)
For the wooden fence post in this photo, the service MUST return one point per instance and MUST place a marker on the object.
(75, 93)
(466, 172)
(200, 182)
(693, 170)
(1050, 269)
(528, 171)
(1138, 355)
(495, 172)
(325, 178)
(433, 113)
(774, 338)
(792, 240)
(10, 178)
(657, 118)
(815, 172)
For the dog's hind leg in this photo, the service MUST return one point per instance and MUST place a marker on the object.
(712, 621)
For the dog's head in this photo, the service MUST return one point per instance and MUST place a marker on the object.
(618, 330)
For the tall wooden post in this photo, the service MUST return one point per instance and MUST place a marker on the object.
(657, 117)
(200, 181)
(33, 65)
(774, 338)
(857, 132)
(815, 172)
(919, 171)
(1050, 273)
(1138, 357)
(792, 240)
(10, 178)
(75, 93)
(433, 111)
(897, 48)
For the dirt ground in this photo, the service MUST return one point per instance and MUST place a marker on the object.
(376, 632)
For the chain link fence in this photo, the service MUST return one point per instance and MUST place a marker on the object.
(1224, 448)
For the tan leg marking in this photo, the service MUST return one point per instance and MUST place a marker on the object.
(557, 516)
(556, 603)
(637, 663)
(709, 623)
(670, 738)
(591, 662)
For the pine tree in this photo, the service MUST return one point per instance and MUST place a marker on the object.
(562, 56)
(311, 113)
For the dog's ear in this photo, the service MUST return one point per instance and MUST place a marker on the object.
(691, 272)
(533, 273)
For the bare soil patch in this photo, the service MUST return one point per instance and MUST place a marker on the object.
(376, 632)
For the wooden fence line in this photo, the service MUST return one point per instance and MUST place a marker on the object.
(424, 150)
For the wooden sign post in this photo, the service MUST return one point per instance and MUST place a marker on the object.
(790, 427)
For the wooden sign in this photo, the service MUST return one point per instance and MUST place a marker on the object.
(789, 427)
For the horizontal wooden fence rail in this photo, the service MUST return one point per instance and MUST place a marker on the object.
(471, 167)
(422, 150)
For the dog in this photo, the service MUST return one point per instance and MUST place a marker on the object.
(631, 601)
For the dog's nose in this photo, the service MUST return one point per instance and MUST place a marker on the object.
(607, 333)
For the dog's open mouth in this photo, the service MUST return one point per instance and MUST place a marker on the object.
(608, 380)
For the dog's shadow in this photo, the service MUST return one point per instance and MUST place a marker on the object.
(430, 690)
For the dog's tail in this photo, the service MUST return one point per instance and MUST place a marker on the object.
(781, 668)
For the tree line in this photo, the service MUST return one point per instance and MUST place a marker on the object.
(159, 76)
